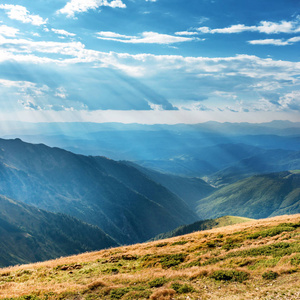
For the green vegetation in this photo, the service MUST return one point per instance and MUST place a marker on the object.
(259, 196)
(172, 260)
(230, 275)
(182, 288)
(274, 231)
(269, 275)
(157, 282)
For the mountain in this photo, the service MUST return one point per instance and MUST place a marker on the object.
(29, 234)
(202, 225)
(118, 198)
(190, 150)
(256, 197)
(274, 160)
(253, 260)
(203, 161)
(190, 189)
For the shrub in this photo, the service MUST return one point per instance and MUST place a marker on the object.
(195, 263)
(230, 244)
(271, 232)
(230, 275)
(29, 297)
(179, 243)
(211, 244)
(295, 261)
(275, 250)
(212, 261)
(161, 245)
(270, 275)
(157, 282)
(172, 260)
(182, 288)
(118, 293)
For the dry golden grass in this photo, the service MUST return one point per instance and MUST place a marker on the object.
(188, 269)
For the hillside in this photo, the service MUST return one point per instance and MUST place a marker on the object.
(190, 189)
(118, 198)
(267, 162)
(255, 260)
(255, 197)
(30, 235)
(203, 225)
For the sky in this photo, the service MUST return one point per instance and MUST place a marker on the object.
(149, 61)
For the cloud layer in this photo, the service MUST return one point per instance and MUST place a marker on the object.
(20, 13)
(78, 6)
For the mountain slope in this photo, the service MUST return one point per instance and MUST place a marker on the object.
(256, 197)
(29, 234)
(254, 260)
(274, 160)
(128, 206)
(190, 189)
(203, 225)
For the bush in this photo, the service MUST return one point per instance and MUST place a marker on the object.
(295, 261)
(118, 293)
(271, 232)
(270, 275)
(230, 275)
(179, 243)
(161, 245)
(182, 288)
(172, 260)
(157, 282)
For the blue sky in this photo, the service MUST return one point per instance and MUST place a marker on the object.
(163, 61)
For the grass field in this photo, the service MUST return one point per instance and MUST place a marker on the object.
(254, 260)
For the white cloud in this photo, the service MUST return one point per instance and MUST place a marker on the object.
(79, 6)
(110, 34)
(225, 94)
(61, 93)
(290, 101)
(20, 13)
(63, 32)
(225, 79)
(263, 27)
(16, 84)
(186, 33)
(275, 42)
(144, 38)
(294, 39)
(233, 29)
(8, 31)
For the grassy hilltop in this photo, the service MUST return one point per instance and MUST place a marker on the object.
(254, 260)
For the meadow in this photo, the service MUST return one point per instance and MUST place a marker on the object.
(259, 259)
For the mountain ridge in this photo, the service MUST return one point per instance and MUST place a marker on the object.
(82, 186)
(259, 196)
(29, 234)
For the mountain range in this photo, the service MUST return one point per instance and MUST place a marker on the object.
(117, 197)
(176, 176)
